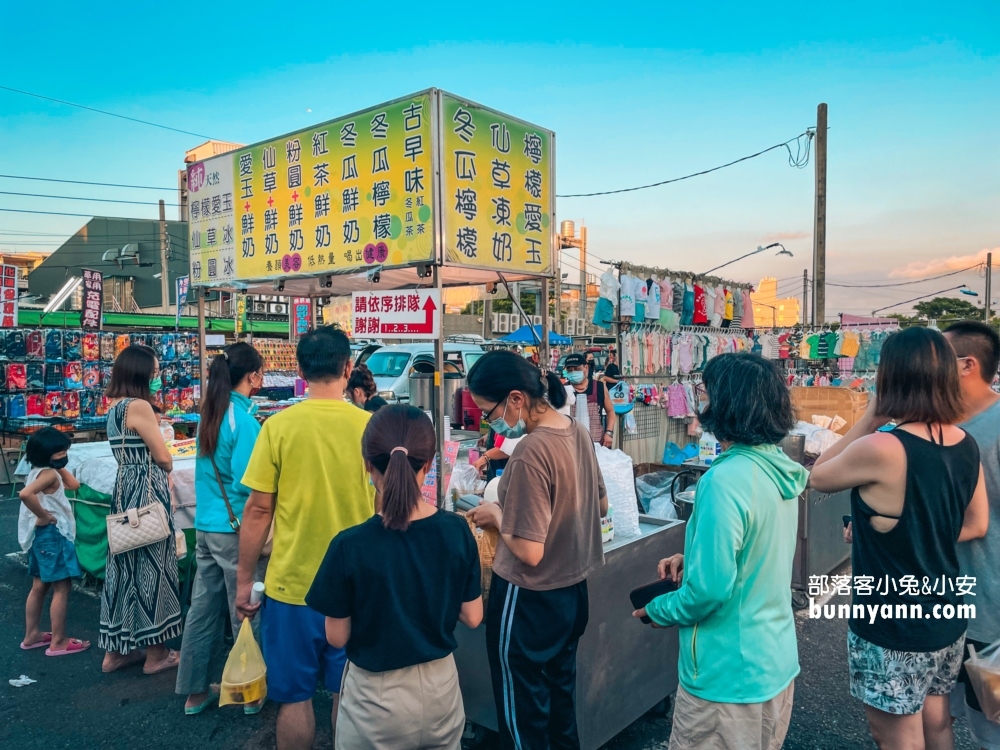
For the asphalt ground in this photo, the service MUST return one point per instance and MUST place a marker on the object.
(74, 705)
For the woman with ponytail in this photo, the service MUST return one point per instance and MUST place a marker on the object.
(393, 590)
(226, 436)
(551, 501)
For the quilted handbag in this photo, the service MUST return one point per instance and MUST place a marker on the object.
(138, 527)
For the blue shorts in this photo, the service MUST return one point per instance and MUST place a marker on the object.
(52, 556)
(293, 639)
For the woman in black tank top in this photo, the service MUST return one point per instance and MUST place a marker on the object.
(916, 491)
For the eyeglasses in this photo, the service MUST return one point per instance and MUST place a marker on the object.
(490, 412)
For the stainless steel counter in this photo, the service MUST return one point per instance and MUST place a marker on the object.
(624, 668)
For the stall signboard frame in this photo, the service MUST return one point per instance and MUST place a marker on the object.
(395, 214)
(427, 179)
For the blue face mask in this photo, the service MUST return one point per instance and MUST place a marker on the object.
(500, 427)
(574, 377)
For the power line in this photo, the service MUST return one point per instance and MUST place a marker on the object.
(85, 182)
(63, 213)
(904, 283)
(96, 200)
(105, 112)
(799, 161)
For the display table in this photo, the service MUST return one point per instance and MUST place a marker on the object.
(95, 467)
(624, 668)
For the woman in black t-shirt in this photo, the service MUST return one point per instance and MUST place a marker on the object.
(393, 590)
(917, 491)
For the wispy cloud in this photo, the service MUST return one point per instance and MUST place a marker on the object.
(920, 268)
(785, 236)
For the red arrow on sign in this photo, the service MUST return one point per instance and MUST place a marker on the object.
(426, 327)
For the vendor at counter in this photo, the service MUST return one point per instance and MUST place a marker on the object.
(551, 500)
(593, 402)
(738, 656)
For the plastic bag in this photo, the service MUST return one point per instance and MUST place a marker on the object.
(244, 679)
(465, 480)
(653, 486)
(616, 468)
(984, 674)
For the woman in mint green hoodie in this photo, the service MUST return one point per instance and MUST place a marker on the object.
(738, 655)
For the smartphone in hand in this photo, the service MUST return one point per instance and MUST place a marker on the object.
(645, 594)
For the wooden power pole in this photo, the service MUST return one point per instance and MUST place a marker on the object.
(819, 215)
(989, 287)
(805, 297)
(164, 252)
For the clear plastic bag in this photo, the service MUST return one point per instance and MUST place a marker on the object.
(984, 674)
(654, 485)
(465, 481)
(616, 468)
(244, 678)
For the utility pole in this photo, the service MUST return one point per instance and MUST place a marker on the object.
(583, 273)
(989, 286)
(164, 254)
(819, 216)
(557, 321)
(182, 195)
(805, 297)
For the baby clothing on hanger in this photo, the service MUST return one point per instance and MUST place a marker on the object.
(688, 304)
(653, 301)
(700, 317)
(628, 296)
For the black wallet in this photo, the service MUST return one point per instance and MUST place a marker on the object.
(645, 594)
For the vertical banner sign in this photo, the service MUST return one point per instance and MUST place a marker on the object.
(408, 314)
(93, 299)
(301, 316)
(183, 283)
(241, 315)
(211, 231)
(345, 195)
(497, 189)
(8, 314)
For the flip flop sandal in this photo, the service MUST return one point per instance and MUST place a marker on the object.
(75, 646)
(171, 662)
(213, 695)
(254, 710)
(44, 643)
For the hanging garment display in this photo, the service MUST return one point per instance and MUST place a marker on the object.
(653, 300)
(628, 284)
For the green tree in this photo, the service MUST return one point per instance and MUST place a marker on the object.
(947, 308)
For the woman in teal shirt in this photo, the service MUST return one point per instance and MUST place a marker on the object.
(738, 655)
(226, 435)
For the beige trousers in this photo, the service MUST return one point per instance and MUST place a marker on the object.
(405, 709)
(706, 725)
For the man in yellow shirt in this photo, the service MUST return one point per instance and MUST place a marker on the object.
(306, 472)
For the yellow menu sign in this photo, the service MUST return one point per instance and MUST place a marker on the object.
(497, 189)
(346, 194)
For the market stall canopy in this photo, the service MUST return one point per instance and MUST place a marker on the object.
(523, 335)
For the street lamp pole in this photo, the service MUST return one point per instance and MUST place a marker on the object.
(759, 249)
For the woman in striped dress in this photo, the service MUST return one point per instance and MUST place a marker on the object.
(140, 604)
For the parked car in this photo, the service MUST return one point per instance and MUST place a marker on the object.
(391, 365)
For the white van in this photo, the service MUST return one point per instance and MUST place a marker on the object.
(391, 365)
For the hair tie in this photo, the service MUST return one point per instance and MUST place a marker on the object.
(399, 448)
